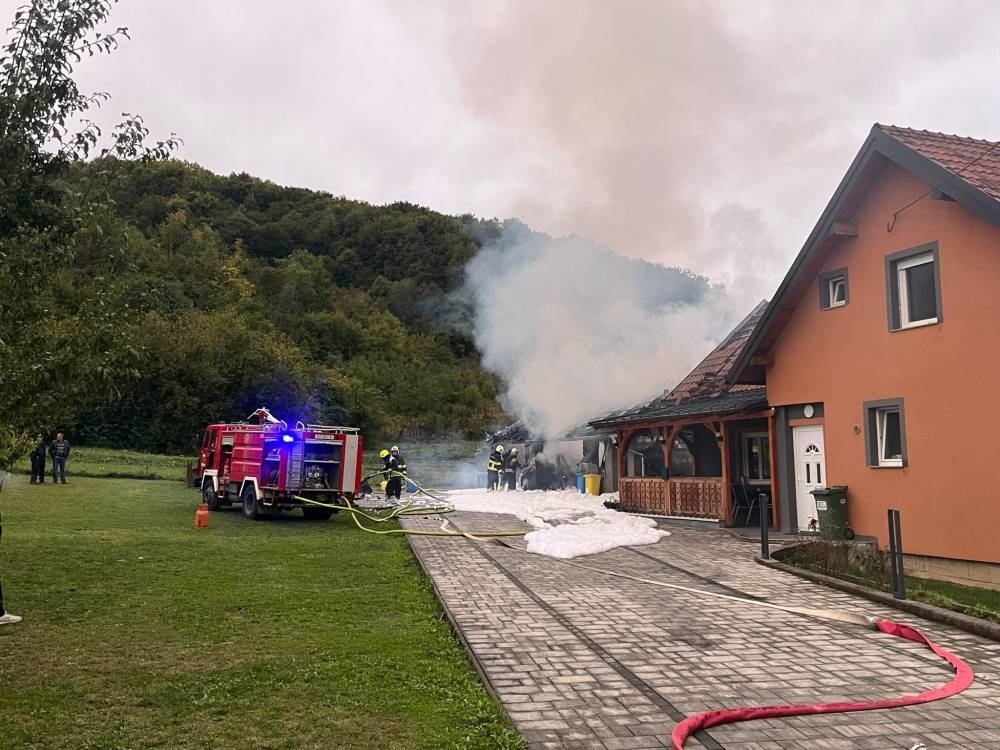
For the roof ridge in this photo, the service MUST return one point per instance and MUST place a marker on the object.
(923, 131)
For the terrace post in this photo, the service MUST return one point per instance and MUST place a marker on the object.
(624, 439)
(727, 490)
(668, 452)
(772, 443)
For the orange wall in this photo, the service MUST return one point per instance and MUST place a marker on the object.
(947, 374)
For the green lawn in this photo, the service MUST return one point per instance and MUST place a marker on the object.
(432, 461)
(971, 600)
(109, 462)
(141, 632)
(831, 559)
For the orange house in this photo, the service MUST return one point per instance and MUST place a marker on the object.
(881, 348)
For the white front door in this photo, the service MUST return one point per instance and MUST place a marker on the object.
(810, 471)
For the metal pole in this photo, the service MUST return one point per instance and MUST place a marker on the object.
(896, 555)
(764, 503)
(901, 592)
(892, 549)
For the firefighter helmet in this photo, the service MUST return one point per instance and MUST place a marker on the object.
(513, 451)
(383, 453)
(499, 449)
(394, 449)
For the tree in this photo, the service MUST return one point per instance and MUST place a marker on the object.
(60, 342)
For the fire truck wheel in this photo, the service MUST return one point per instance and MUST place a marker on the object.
(208, 496)
(317, 514)
(251, 506)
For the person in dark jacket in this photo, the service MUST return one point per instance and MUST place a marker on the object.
(59, 450)
(394, 467)
(38, 459)
(510, 469)
(494, 468)
(5, 617)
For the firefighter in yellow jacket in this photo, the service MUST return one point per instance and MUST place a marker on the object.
(494, 468)
(395, 467)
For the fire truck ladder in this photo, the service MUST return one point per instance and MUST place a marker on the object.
(296, 456)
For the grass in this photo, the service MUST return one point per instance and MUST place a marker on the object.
(434, 461)
(970, 600)
(873, 571)
(141, 632)
(110, 462)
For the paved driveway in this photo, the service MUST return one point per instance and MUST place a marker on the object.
(584, 660)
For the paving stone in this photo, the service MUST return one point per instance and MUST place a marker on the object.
(581, 659)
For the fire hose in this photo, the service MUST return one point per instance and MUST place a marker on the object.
(962, 679)
(407, 508)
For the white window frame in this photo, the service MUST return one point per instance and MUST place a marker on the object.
(831, 286)
(904, 291)
(880, 419)
(747, 437)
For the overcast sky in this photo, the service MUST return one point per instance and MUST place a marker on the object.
(706, 135)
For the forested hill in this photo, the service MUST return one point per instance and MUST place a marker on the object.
(244, 293)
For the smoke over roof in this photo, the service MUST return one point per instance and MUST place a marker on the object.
(576, 330)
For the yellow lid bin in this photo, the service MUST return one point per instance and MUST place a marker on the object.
(593, 482)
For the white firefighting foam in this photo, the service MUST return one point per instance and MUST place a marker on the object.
(567, 524)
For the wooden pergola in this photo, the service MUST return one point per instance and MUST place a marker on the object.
(697, 496)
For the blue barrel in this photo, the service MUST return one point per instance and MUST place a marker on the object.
(581, 483)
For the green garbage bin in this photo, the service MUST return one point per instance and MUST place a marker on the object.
(831, 506)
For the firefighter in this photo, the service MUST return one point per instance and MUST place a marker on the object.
(494, 468)
(395, 466)
(38, 460)
(511, 466)
(59, 450)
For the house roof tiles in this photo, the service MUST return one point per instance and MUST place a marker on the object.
(974, 160)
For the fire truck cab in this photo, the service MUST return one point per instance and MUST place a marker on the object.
(266, 466)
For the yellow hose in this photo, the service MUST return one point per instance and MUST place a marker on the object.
(410, 532)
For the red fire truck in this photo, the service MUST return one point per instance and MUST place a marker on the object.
(264, 466)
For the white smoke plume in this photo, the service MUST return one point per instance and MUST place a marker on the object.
(575, 330)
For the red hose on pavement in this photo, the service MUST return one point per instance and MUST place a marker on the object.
(962, 679)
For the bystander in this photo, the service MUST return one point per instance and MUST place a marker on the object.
(59, 450)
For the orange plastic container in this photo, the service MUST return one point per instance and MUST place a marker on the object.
(201, 517)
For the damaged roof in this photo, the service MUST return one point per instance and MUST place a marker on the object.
(519, 432)
(966, 170)
(704, 391)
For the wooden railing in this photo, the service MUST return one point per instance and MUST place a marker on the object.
(695, 497)
(643, 495)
